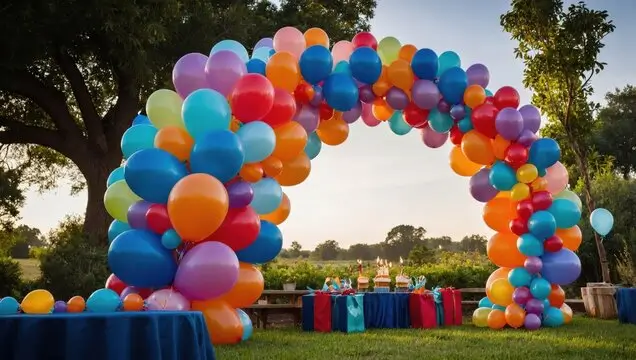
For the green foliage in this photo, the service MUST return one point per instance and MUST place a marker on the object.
(421, 255)
(626, 266)
(10, 277)
(327, 250)
(474, 243)
(11, 200)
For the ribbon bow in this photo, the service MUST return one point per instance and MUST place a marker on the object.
(437, 295)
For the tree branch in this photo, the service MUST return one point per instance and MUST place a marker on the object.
(15, 132)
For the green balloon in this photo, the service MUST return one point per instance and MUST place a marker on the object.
(398, 125)
(389, 49)
(570, 195)
(118, 198)
(480, 316)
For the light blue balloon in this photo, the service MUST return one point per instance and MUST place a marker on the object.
(343, 67)
(498, 307)
(485, 302)
(440, 123)
(267, 196)
(262, 53)
(553, 317)
(313, 146)
(233, 46)
(529, 245)
(258, 141)
(398, 125)
(502, 177)
(540, 288)
(218, 153)
(205, 110)
(115, 176)
(248, 328)
(542, 225)
(116, 227)
(141, 120)
(447, 60)
(465, 124)
(602, 221)
(566, 213)
(171, 240)
(137, 138)
(103, 301)
(9, 306)
(519, 277)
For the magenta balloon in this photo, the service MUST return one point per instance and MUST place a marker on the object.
(432, 138)
(478, 74)
(509, 123)
(366, 94)
(397, 99)
(188, 74)
(223, 70)
(425, 94)
(531, 118)
(527, 137)
(534, 306)
(264, 42)
(207, 271)
(308, 117)
(167, 300)
(521, 295)
(351, 116)
(532, 322)
(240, 194)
(368, 117)
(480, 187)
(317, 99)
(533, 264)
(443, 106)
(136, 215)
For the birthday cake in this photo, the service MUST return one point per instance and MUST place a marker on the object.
(363, 281)
(382, 281)
(402, 281)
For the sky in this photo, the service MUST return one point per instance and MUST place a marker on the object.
(359, 190)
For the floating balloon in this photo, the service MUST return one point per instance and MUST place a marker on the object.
(602, 221)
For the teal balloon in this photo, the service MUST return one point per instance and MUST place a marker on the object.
(498, 307)
(540, 288)
(313, 146)
(529, 245)
(519, 277)
(502, 177)
(138, 137)
(171, 240)
(262, 53)
(602, 221)
(115, 176)
(553, 317)
(246, 321)
(116, 227)
(447, 60)
(485, 302)
(103, 301)
(440, 123)
(9, 306)
(465, 125)
(205, 110)
(488, 92)
(233, 46)
(258, 141)
(343, 67)
(566, 213)
(398, 125)
(542, 224)
(267, 196)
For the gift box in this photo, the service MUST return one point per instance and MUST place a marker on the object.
(317, 312)
(423, 311)
(451, 306)
(348, 313)
(439, 306)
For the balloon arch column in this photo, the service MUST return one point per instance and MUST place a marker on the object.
(199, 198)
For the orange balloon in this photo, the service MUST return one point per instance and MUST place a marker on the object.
(280, 214)
(76, 304)
(539, 184)
(133, 302)
(557, 296)
(499, 146)
(566, 310)
(251, 172)
(381, 109)
(382, 85)
(478, 148)
(224, 324)
(283, 71)
(248, 287)
(197, 206)
(500, 273)
(515, 315)
(235, 124)
(460, 163)
(503, 194)
(291, 139)
(175, 140)
(295, 171)
(572, 237)
(272, 166)
(502, 250)
(316, 36)
(333, 131)
(496, 319)
(474, 95)
(498, 213)
(400, 74)
(407, 52)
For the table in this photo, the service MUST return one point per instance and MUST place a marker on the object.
(114, 336)
(626, 304)
(386, 310)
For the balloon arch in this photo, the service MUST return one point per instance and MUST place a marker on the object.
(199, 198)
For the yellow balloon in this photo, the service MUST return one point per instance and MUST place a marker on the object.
(118, 198)
(389, 49)
(480, 316)
(527, 173)
(164, 108)
(501, 292)
(38, 302)
(519, 192)
(460, 163)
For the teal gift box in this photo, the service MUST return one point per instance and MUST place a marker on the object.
(348, 313)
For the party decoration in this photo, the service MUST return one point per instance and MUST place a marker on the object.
(37, 302)
(602, 221)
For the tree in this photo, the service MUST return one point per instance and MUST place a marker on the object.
(441, 243)
(421, 255)
(295, 249)
(11, 197)
(560, 51)
(328, 250)
(362, 252)
(73, 75)
(474, 243)
(402, 239)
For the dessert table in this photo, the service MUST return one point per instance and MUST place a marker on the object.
(386, 310)
(110, 336)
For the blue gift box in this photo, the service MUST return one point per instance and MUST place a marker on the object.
(348, 313)
(626, 305)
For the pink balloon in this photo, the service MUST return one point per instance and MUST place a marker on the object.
(367, 115)
(433, 139)
(188, 74)
(223, 70)
(557, 178)
(291, 40)
(341, 51)
(167, 300)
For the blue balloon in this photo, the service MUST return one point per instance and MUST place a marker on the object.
(529, 245)
(138, 138)
(452, 85)
(342, 67)
(115, 176)
(440, 122)
(262, 53)
(498, 307)
(502, 177)
(519, 277)
(365, 65)
(553, 317)
(565, 212)
(315, 64)
(465, 125)
(340, 92)
(116, 227)
(425, 64)
(218, 153)
(258, 141)
(540, 288)
(313, 146)
(602, 221)
(485, 302)
(546, 304)
(205, 110)
(267, 196)
(103, 301)
(151, 174)
(398, 125)
(233, 46)
(137, 258)
(447, 60)
(246, 322)
(171, 240)
(266, 246)
(141, 120)
(544, 153)
(9, 306)
(256, 66)
(542, 225)
(562, 267)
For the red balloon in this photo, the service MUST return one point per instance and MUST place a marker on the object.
(490, 100)
(157, 218)
(541, 200)
(483, 118)
(505, 97)
(365, 39)
(516, 155)
(115, 284)
(553, 244)
(525, 209)
(326, 112)
(519, 226)
(283, 109)
(252, 97)
(239, 229)
(456, 135)
(415, 116)
(304, 93)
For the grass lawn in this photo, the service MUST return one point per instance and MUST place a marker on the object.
(30, 268)
(583, 339)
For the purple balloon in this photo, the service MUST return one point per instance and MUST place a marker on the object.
(443, 106)
(425, 94)
(130, 290)
(223, 70)
(240, 194)
(137, 214)
(562, 267)
(478, 74)
(509, 123)
(531, 118)
(532, 322)
(397, 99)
(317, 99)
(309, 117)
(534, 306)
(432, 138)
(533, 264)
(480, 187)
(268, 42)
(351, 116)
(167, 300)
(207, 271)
(458, 112)
(59, 307)
(521, 295)
(527, 137)
(368, 117)
(188, 74)
(366, 94)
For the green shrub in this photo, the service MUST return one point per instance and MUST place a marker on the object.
(10, 278)
(36, 252)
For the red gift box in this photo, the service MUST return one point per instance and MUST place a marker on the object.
(422, 311)
(452, 302)
(322, 311)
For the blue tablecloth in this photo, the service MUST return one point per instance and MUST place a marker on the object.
(626, 304)
(114, 336)
(386, 310)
